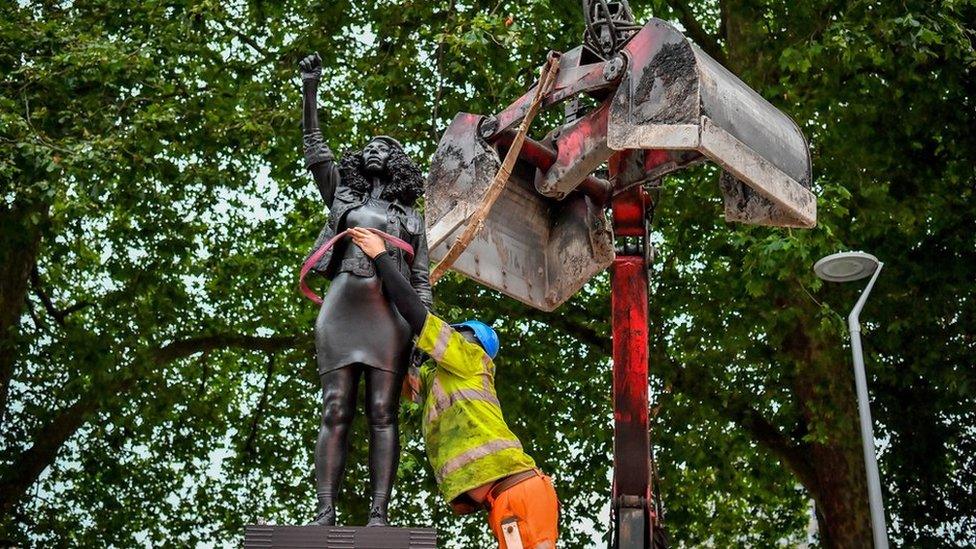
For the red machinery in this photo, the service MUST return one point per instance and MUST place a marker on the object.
(659, 104)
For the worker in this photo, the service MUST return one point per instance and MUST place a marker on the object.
(477, 460)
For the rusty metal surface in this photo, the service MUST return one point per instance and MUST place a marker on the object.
(631, 442)
(629, 318)
(631, 529)
(508, 254)
(542, 157)
(676, 97)
(777, 201)
(572, 79)
(462, 167)
(657, 101)
(630, 374)
(630, 206)
(580, 246)
(580, 148)
(660, 162)
(734, 107)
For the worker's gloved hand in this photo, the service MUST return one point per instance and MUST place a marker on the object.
(418, 358)
(411, 380)
(410, 391)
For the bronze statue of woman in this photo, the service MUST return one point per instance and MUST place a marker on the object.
(358, 333)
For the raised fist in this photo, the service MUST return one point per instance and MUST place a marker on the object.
(311, 67)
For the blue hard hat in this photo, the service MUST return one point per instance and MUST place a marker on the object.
(485, 335)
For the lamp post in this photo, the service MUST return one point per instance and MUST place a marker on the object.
(848, 267)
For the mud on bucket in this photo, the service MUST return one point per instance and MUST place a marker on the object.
(535, 249)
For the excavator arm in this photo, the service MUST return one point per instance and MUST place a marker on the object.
(654, 103)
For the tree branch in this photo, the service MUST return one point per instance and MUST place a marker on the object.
(586, 334)
(793, 455)
(259, 410)
(705, 41)
(189, 347)
(738, 410)
(247, 40)
(57, 315)
(29, 464)
(26, 467)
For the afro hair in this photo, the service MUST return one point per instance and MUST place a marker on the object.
(402, 180)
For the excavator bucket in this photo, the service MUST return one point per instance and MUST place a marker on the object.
(656, 93)
(675, 97)
(535, 249)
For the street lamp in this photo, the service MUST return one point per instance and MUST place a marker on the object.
(848, 267)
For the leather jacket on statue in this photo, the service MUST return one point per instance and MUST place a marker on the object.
(401, 221)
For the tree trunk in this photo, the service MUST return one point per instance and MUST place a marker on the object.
(843, 515)
(823, 384)
(19, 240)
(824, 389)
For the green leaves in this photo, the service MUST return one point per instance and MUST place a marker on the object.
(154, 150)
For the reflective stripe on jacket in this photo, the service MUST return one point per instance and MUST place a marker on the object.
(468, 442)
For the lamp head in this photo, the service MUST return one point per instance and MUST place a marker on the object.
(846, 266)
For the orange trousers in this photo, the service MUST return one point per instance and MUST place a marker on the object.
(528, 511)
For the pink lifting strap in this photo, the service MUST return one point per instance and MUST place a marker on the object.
(317, 255)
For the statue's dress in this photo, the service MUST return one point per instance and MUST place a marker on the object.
(357, 323)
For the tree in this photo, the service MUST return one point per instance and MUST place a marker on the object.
(156, 374)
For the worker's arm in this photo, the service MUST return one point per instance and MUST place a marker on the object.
(401, 293)
(434, 336)
(451, 350)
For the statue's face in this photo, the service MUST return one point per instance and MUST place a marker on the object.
(375, 156)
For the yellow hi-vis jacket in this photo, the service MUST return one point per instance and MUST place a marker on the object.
(468, 442)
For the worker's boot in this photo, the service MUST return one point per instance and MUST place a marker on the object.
(326, 514)
(377, 511)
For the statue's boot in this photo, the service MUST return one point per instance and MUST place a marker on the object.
(326, 514)
(377, 511)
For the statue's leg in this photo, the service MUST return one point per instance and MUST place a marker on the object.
(338, 409)
(382, 407)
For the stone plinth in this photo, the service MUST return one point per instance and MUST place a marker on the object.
(338, 537)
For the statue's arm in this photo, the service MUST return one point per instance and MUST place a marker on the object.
(318, 158)
(420, 269)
